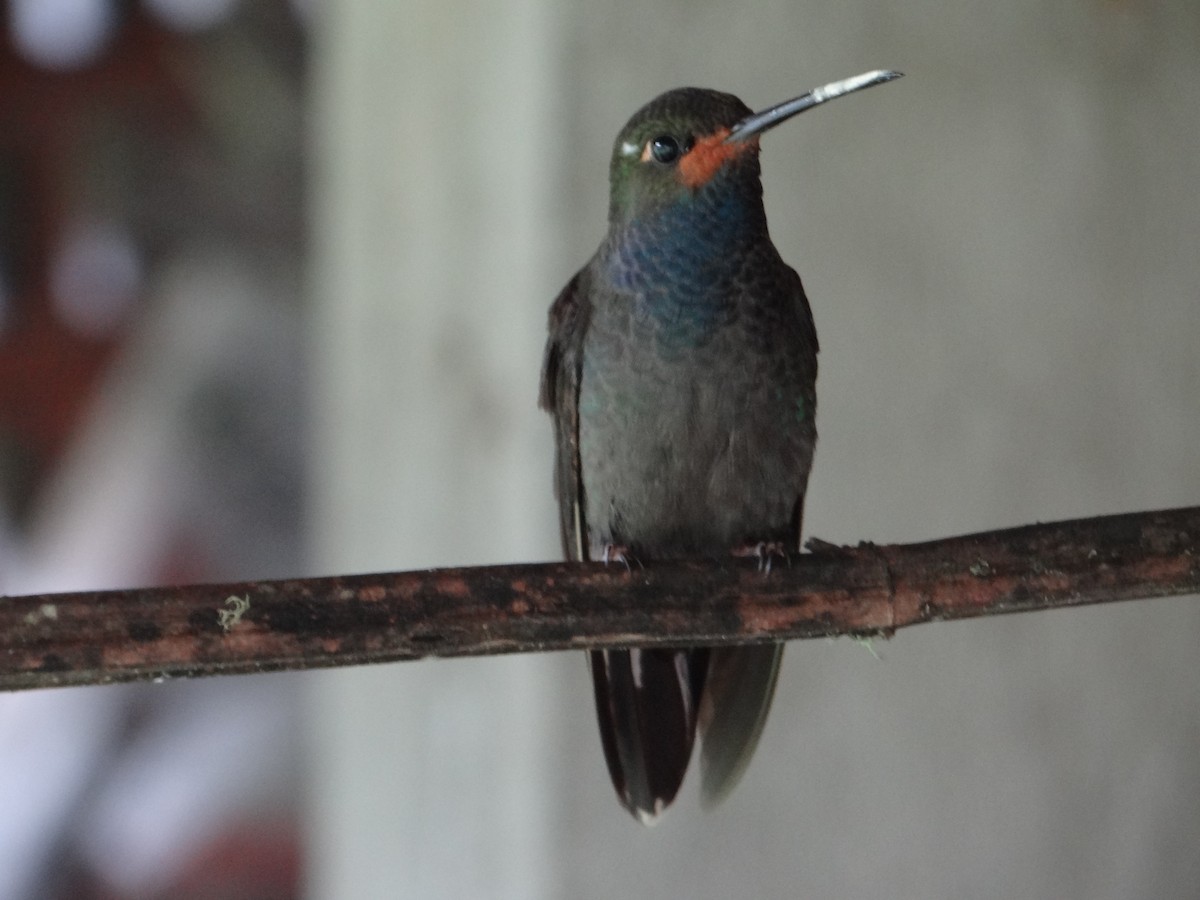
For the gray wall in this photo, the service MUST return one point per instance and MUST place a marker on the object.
(1001, 253)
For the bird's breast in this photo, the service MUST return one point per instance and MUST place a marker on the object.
(695, 433)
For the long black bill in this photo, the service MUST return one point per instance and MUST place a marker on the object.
(781, 112)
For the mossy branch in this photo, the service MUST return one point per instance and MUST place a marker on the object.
(98, 637)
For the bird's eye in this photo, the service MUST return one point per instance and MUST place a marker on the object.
(665, 149)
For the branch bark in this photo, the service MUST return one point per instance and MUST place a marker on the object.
(99, 637)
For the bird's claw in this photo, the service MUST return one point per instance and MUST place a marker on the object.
(764, 552)
(617, 553)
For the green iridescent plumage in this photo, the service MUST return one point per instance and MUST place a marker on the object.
(680, 372)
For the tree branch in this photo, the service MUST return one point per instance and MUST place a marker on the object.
(99, 637)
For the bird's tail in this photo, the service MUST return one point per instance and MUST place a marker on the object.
(736, 700)
(647, 703)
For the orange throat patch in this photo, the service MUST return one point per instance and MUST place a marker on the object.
(704, 160)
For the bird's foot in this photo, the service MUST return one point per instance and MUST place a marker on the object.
(764, 552)
(618, 553)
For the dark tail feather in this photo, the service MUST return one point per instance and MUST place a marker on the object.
(646, 702)
(741, 683)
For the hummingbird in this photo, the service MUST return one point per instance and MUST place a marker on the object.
(680, 373)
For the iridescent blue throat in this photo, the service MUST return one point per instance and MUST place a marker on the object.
(681, 262)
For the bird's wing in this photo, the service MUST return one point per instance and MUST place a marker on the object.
(559, 395)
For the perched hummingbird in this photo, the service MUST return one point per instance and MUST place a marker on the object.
(680, 372)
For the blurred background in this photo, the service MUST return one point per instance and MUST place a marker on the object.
(273, 283)
(153, 410)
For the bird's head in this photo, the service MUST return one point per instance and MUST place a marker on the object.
(689, 138)
(673, 146)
